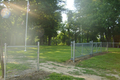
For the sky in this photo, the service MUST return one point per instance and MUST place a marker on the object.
(70, 6)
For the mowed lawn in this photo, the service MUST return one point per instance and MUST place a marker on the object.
(108, 61)
(47, 53)
(107, 65)
(55, 53)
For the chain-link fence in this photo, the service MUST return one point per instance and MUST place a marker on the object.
(83, 49)
(96, 47)
(108, 46)
(111, 44)
(18, 62)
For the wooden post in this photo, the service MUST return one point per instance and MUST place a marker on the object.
(38, 56)
(1, 52)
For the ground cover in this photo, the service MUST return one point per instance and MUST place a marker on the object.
(55, 53)
(104, 66)
(56, 76)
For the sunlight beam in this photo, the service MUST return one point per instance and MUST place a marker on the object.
(15, 7)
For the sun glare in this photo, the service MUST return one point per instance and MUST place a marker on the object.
(16, 7)
(70, 6)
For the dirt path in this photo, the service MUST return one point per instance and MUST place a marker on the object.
(86, 73)
(67, 70)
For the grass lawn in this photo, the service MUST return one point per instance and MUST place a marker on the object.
(107, 63)
(47, 53)
(56, 76)
(55, 53)
(104, 64)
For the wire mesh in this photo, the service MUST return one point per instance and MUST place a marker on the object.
(97, 47)
(20, 62)
(82, 49)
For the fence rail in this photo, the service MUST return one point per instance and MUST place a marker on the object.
(83, 49)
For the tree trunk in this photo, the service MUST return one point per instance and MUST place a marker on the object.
(87, 36)
(75, 36)
(68, 43)
(2, 62)
(108, 35)
(49, 40)
(64, 38)
(42, 40)
(102, 37)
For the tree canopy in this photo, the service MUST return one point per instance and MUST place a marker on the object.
(99, 15)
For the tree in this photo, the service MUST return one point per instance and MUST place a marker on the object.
(99, 15)
(49, 17)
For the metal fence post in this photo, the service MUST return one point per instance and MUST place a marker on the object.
(71, 50)
(38, 58)
(113, 44)
(91, 42)
(5, 62)
(82, 49)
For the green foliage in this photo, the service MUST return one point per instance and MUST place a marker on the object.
(98, 17)
(49, 18)
(43, 20)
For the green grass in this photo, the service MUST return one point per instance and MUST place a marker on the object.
(55, 53)
(104, 64)
(56, 76)
(74, 72)
(109, 62)
(91, 72)
(47, 53)
(114, 49)
(12, 66)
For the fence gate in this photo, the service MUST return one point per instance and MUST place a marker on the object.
(83, 49)
(97, 47)
(19, 63)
